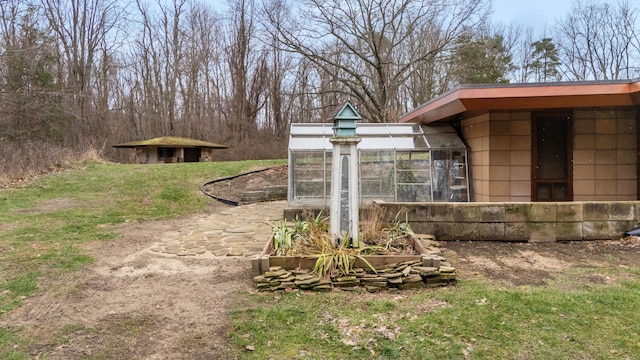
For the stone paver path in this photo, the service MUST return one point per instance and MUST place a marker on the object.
(236, 231)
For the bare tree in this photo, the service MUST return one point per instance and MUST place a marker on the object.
(599, 41)
(195, 85)
(517, 41)
(279, 99)
(303, 99)
(82, 28)
(368, 46)
(247, 71)
(160, 50)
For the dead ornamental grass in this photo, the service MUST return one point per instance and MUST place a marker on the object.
(23, 161)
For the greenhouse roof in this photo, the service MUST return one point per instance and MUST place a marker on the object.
(387, 136)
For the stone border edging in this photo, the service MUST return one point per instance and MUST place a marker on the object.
(223, 200)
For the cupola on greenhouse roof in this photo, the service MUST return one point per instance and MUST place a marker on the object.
(344, 124)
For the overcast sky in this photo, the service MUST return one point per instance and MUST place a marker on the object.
(536, 13)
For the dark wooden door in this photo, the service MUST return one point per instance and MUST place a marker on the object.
(192, 154)
(551, 152)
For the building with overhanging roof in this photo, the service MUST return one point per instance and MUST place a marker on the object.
(537, 162)
(171, 149)
(573, 141)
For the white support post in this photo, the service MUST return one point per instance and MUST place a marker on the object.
(334, 216)
(354, 194)
(345, 199)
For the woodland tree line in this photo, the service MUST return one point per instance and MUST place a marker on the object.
(86, 74)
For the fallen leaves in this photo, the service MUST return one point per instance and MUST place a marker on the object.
(387, 332)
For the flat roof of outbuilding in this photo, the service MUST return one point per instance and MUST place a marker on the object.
(171, 141)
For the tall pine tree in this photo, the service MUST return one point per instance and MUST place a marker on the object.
(545, 61)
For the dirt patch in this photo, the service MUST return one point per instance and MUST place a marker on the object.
(536, 263)
(233, 189)
(51, 205)
(134, 303)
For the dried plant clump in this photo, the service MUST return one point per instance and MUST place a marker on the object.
(372, 223)
(310, 237)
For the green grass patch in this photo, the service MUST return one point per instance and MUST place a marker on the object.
(475, 319)
(16, 288)
(24, 285)
(10, 345)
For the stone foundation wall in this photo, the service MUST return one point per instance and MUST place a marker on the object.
(533, 222)
(268, 193)
(511, 221)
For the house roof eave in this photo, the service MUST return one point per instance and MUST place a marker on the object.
(505, 97)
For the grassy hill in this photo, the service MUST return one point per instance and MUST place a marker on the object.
(43, 222)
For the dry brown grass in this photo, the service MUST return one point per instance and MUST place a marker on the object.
(25, 160)
(372, 223)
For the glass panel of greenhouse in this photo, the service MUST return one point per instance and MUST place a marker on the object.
(397, 163)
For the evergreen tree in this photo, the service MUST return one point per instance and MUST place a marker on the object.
(29, 94)
(480, 60)
(545, 61)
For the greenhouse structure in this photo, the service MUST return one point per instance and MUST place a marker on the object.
(513, 162)
(397, 163)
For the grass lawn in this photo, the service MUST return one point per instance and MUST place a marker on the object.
(43, 222)
(475, 319)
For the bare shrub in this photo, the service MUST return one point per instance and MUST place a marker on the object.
(264, 146)
(24, 160)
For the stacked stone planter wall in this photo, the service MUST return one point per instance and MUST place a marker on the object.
(406, 275)
(533, 222)
(380, 272)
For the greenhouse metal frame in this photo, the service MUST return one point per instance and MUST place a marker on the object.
(397, 163)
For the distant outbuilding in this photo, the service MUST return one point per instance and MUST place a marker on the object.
(171, 149)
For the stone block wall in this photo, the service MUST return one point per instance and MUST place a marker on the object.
(500, 144)
(533, 222)
(604, 155)
(267, 193)
(412, 274)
